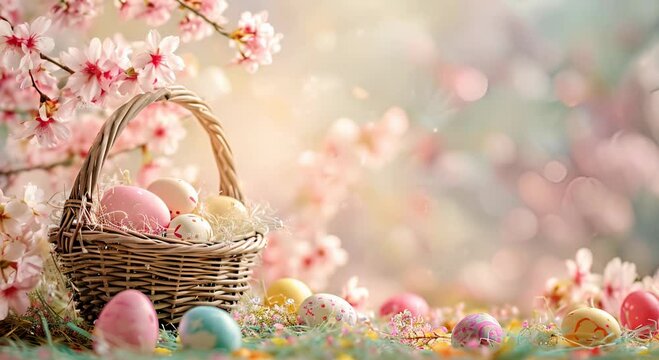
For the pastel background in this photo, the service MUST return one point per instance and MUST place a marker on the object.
(532, 132)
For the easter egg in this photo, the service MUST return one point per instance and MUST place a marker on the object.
(209, 328)
(127, 321)
(326, 308)
(283, 289)
(179, 196)
(222, 206)
(590, 327)
(135, 208)
(477, 330)
(406, 301)
(640, 309)
(190, 227)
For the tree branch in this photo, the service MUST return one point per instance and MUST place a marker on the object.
(57, 63)
(212, 23)
(68, 161)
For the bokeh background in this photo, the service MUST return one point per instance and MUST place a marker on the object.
(532, 132)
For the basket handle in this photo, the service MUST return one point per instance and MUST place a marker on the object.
(87, 179)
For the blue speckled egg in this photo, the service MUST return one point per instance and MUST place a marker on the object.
(209, 328)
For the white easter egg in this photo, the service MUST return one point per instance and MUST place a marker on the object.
(191, 228)
(179, 196)
(326, 308)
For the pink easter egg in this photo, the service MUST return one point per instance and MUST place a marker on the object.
(127, 321)
(640, 309)
(477, 330)
(135, 208)
(406, 301)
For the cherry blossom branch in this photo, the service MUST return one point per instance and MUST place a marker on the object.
(41, 55)
(68, 161)
(56, 63)
(212, 23)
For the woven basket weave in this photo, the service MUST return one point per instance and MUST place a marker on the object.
(101, 261)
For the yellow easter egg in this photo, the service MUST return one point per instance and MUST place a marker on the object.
(590, 327)
(225, 207)
(287, 288)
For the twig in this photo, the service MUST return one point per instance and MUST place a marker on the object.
(212, 23)
(57, 63)
(42, 97)
(68, 161)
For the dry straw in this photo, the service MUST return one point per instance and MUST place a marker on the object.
(101, 260)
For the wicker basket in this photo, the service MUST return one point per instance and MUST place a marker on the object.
(101, 261)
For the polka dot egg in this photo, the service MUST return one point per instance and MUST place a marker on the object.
(477, 330)
(318, 309)
(209, 328)
(190, 227)
(179, 196)
(640, 311)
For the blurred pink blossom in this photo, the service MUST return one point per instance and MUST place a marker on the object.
(13, 214)
(618, 281)
(193, 27)
(154, 12)
(355, 295)
(75, 13)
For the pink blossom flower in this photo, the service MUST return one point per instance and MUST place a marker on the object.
(44, 79)
(166, 131)
(10, 46)
(380, 140)
(47, 127)
(12, 10)
(74, 13)
(33, 42)
(194, 28)
(255, 40)
(154, 12)
(97, 70)
(13, 214)
(156, 63)
(619, 280)
(355, 295)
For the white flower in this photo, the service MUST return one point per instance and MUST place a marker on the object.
(156, 63)
(13, 213)
(619, 281)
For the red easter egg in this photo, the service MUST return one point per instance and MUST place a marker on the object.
(406, 301)
(640, 309)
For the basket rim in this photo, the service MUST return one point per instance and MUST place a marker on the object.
(109, 235)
